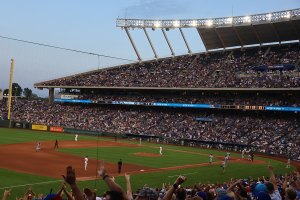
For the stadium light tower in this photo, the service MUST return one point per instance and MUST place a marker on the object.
(225, 31)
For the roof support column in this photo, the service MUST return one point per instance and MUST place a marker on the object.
(220, 38)
(149, 40)
(51, 95)
(238, 36)
(276, 33)
(171, 49)
(296, 31)
(185, 41)
(133, 45)
(202, 39)
(257, 36)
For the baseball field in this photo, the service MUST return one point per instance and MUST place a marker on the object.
(21, 166)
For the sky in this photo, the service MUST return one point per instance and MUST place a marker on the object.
(90, 25)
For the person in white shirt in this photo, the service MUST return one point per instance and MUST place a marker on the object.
(76, 137)
(288, 164)
(160, 151)
(86, 160)
(38, 146)
(243, 153)
(210, 158)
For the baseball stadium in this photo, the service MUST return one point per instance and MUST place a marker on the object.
(219, 124)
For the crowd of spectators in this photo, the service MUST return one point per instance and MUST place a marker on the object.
(231, 68)
(205, 98)
(273, 187)
(272, 135)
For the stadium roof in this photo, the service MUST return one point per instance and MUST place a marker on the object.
(224, 37)
(227, 31)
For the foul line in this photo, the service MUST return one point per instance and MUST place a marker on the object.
(40, 183)
(182, 174)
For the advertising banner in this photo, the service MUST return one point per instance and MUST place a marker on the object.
(39, 127)
(56, 129)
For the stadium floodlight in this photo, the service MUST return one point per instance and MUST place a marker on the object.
(209, 23)
(176, 23)
(247, 19)
(269, 17)
(194, 23)
(229, 20)
(157, 24)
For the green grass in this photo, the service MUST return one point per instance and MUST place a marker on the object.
(12, 136)
(113, 154)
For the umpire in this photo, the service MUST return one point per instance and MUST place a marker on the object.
(120, 166)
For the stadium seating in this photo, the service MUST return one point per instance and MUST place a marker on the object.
(232, 68)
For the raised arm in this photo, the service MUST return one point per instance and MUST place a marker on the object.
(272, 177)
(170, 192)
(113, 186)
(6, 194)
(70, 178)
(128, 186)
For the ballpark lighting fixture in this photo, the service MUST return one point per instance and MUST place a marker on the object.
(247, 19)
(209, 23)
(176, 23)
(194, 23)
(157, 24)
(229, 20)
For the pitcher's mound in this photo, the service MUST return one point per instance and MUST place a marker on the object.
(147, 154)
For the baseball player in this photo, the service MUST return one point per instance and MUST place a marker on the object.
(160, 151)
(288, 164)
(76, 137)
(56, 144)
(223, 166)
(210, 158)
(38, 146)
(243, 153)
(86, 160)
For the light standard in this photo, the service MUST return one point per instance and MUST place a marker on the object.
(14, 104)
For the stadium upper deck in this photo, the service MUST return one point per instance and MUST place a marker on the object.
(257, 67)
(264, 66)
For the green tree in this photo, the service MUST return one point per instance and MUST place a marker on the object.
(27, 93)
(34, 96)
(16, 89)
(5, 92)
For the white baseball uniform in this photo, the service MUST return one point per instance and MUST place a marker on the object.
(86, 160)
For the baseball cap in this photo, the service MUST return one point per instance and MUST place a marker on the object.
(259, 188)
(148, 192)
(220, 192)
(263, 196)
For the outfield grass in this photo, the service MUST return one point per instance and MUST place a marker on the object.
(127, 154)
(202, 174)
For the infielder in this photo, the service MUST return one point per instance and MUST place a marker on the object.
(243, 153)
(86, 160)
(288, 164)
(210, 158)
(76, 137)
(38, 146)
(160, 151)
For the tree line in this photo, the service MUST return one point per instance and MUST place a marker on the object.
(18, 91)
